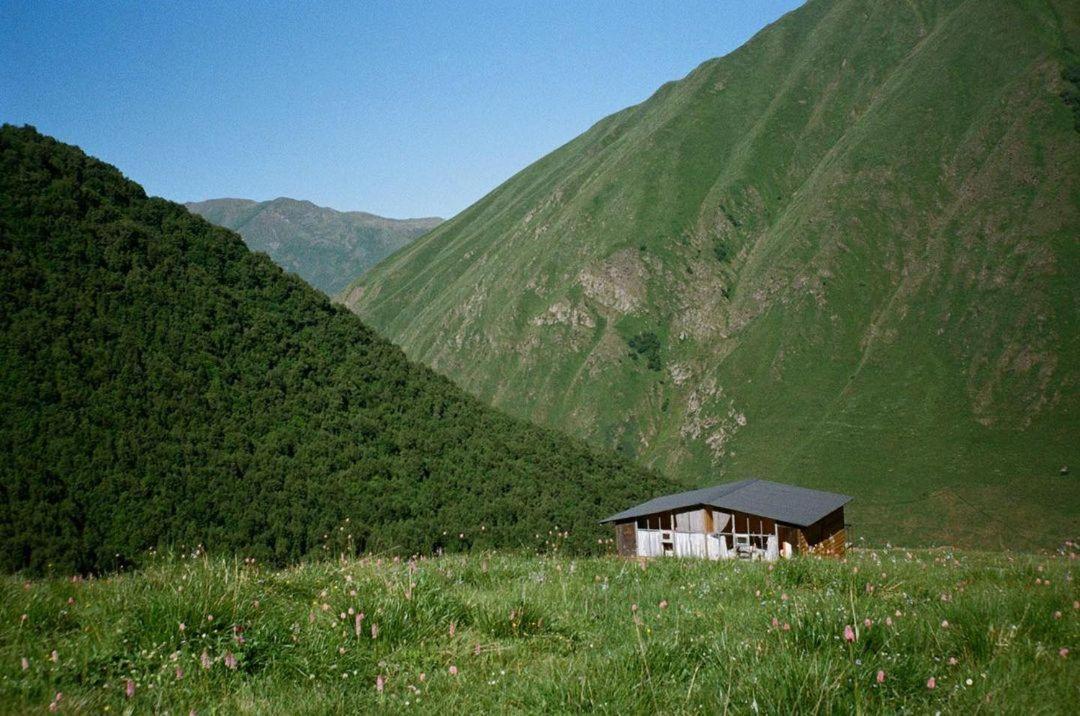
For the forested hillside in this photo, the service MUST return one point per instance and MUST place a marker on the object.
(844, 255)
(326, 248)
(162, 386)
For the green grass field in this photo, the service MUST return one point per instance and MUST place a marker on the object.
(497, 632)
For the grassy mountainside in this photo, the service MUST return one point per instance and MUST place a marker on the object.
(326, 248)
(163, 385)
(530, 634)
(843, 255)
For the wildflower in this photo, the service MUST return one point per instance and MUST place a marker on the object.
(357, 623)
(71, 601)
(969, 682)
(888, 621)
(374, 631)
(129, 688)
(55, 704)
(867, 623)
(784, 597)
(775, 622)
(786, 627)
(1057, 615)
(423, 677)
(179, 673)
(1063, 652)
(54, 656)
(476, 650)
(183, 626)
(663, 604)
(204, 660)
(230, 660)
(931, 683)
(849, 633)
(209, 617)
(25, 663)
(380, 683)
(453, 629)
(23, 618)
(453, 670)
(881, 676)
(952, 661)
(944, 623)
(633, 607)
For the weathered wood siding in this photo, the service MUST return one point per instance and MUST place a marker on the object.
(626, 539)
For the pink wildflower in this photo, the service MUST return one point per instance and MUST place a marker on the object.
(357, 623)
(953, 661)
(786, 627)
(25, 663)
(849, 633)
(881, 676)
(453, 670)
(380, 683)
(179, 673)
(1063, 651)
(374, 631)
(204, 660)
(867, 623)
(775, 622)
(931, 683)
(183, 626)
(54, 656)
(230, 660)
(54, 705)
(633, 607)
(888, 621)
(129, 688)
(453, 629)
(663, 604)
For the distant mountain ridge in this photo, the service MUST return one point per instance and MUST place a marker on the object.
(845, 255)
(325, 247)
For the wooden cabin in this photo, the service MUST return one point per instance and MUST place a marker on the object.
(748, 519)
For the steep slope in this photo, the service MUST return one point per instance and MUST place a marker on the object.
(843, 255)
(326, 248)
(164, 386)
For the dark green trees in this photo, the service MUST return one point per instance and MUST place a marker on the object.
(163, 386)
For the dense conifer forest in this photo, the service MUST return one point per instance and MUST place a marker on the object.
(164, 387)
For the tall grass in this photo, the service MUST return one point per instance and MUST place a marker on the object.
(528, 633)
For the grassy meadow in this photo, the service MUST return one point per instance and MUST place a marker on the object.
(887, 630)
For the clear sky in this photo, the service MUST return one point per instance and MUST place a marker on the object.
(398, 108)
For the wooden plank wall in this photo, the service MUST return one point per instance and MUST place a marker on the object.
(626, 539)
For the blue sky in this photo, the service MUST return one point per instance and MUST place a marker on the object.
(398, 108)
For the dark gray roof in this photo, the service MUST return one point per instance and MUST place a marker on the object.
(784, 503)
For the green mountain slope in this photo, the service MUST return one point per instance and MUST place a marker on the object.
(326, 248)
(164, 386)
(844, 255)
